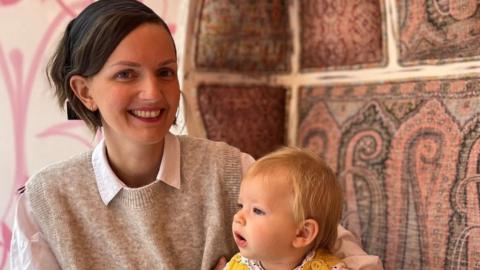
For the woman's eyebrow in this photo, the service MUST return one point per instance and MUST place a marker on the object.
(135, 64)
(125, 63)
(168, 61)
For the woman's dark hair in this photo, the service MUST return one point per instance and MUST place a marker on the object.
(88, 41)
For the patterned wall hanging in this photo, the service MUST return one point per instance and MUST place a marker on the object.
(244, 36)
(251, 118)
(435, 31)
(408, 156)
(342, 34)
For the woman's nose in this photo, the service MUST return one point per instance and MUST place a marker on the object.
(151, 88)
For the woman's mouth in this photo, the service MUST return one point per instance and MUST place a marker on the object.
(146, 114)
(239, 240)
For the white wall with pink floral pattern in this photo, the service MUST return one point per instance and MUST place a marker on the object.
(33, 131)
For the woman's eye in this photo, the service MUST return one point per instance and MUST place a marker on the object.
(124, 75)
(166, 72)
(258, 211)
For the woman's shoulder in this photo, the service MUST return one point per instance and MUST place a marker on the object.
(65, 170)
(187, 141)
(203, 155)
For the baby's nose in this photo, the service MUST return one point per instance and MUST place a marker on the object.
(239, 218)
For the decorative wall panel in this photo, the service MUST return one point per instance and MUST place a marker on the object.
(435, 31)
(251, 118)
(407, 154)
(244, 36)
(341, 34)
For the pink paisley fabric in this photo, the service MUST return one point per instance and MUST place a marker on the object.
(438, 31)
(408, 156)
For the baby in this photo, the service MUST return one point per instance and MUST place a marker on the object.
(290, 206)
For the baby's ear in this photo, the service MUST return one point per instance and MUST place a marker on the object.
(306, 233)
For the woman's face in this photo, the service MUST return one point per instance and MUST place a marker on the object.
(137, 90)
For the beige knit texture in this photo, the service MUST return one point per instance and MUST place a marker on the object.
(153, 227)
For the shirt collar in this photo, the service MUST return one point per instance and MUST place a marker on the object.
(257, 265)
(109, 184)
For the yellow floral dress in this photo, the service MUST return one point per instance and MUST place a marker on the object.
(315, 260)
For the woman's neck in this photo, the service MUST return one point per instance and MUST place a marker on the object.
(135, 165)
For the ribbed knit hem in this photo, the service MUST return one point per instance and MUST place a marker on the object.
(141, 197)
(232, 176)
(39, 200)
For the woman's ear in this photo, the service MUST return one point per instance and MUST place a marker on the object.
(81, 89)
(306, 233)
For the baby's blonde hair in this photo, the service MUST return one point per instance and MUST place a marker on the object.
(317, 193)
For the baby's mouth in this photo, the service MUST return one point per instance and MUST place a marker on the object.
(240, 240)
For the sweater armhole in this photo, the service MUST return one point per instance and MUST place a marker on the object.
(38, 199)
(233, 175)
(232, 178)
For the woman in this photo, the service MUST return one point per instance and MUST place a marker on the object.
(143, 198)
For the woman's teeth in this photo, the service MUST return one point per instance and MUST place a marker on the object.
(146, 114)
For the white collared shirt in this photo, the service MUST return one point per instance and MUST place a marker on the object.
(109, 184)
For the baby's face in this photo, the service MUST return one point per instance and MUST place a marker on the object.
(264, 227)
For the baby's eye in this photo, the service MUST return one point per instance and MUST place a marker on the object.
(258, 211)
(239, 205)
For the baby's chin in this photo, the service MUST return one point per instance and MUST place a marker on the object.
(248, 254)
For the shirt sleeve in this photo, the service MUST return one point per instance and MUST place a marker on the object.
(347, 247)
(29, 250)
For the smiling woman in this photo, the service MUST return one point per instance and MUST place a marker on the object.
(141, 198)
(137, 95)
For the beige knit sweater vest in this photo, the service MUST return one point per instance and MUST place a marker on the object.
(154, 227)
